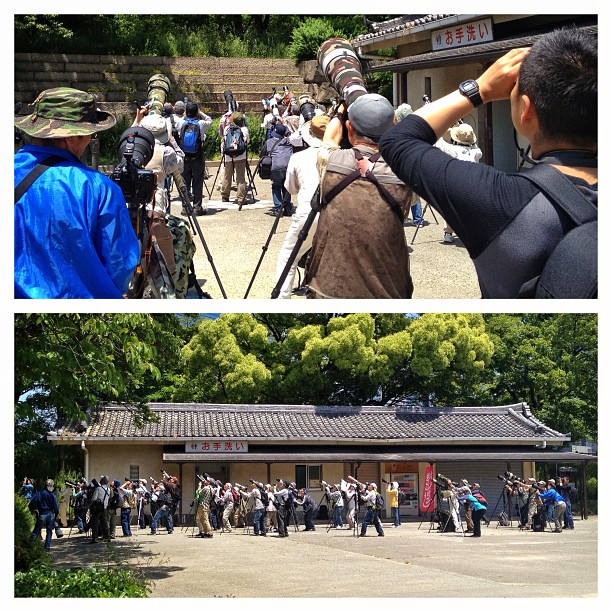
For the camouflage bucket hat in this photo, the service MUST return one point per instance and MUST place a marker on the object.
(62, 112)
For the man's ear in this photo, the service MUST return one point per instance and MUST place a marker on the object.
(527, 111)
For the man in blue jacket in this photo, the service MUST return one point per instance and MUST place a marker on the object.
(73, 233)
(552, 496)
(44, 504)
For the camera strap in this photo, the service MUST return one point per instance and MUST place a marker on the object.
(42, 166)
(361, 172)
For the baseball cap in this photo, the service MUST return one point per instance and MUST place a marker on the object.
(158, 126)
(371, 115)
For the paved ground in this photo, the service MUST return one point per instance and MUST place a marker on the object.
(236, 241)
(409, 562)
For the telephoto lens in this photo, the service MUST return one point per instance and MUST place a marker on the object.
(342, 68)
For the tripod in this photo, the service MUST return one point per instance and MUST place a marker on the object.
(193, 221)
(264, 248)
(420, 225)
(431, 508)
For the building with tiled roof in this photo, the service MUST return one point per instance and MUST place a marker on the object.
(434, 53)
(309, 444)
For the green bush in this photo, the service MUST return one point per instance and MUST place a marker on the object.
(28, 552)
(90, 582)
(308, 37)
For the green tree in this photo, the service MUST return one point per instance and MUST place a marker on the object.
(335, 359)
(550, 361)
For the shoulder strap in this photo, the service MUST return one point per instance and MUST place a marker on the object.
(562, 192)
(29, 178)
(369, 175)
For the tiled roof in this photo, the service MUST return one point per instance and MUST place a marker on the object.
(397, 25)
(270, 423)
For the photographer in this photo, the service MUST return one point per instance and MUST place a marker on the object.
(129, 503)
(73, 233)
(97, 509)
(478, 511)
(508, 225)
(234, 145)
(393, 491)
(226, 499)
(282, 505)
(351, 504)
(80, 503)
(308, 505)
(44, 505)
(554, 499)
(164, 510)
(203, 496)
(167, 158)
(192, 134)
(280, 149)
(271, 512)
(27, 489)
(259, 520)
(368, 497)
(570, 495)
(335, 496)
(359, 249)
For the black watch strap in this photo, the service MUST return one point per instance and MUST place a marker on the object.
(471, 91)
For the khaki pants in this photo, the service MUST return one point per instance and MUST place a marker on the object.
(226, 185)
(202, 519)
(227, 513)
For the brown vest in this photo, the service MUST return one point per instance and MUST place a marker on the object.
(359, 249)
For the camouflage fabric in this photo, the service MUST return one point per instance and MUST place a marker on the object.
(184, 249)
(62, 112)
(342, 68)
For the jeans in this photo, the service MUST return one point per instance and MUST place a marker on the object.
(477, 517)
(568, 517)
(338, 516)
(395, 514)
(46, 520)
(417, 213)
(162, 514)
(80, 515)
(259, 521)
(371, 517)
(308, 519)
(125, 521)
(280, 196)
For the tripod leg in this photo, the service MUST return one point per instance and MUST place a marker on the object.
(212, 189)
(296, 249)
(194, 222)
(279, 214)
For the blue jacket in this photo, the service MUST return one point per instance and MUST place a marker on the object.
(45, 501)
(551, 496)
(73, 232)
(476, 505)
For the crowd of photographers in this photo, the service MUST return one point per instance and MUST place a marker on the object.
(73, 237)
(100, 506)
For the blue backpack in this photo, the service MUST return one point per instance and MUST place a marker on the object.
(190, 137)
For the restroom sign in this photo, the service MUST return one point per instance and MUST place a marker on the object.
(463, 34)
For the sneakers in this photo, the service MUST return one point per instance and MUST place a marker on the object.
(199, 211)
(448, 238)
(381, 535)
(338, 527)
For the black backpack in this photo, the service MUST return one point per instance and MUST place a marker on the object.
(380, 502)
(264, 497)
(234, 143)
(190, 137)
(571, 269)
(401, 497)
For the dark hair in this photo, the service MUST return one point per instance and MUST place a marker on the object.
(191, 110)
(559, 75)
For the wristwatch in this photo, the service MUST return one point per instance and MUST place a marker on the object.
(471, 91)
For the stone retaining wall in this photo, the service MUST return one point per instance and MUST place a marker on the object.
(120, 80)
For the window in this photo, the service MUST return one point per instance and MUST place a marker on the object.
(427, 87)
(308, 476)
(134, 472)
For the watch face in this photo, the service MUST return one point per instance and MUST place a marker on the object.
(469, 86)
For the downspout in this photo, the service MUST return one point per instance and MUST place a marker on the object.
(86, 453)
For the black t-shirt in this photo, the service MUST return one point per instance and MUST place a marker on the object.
(508, 227)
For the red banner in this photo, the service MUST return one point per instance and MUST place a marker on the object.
(428, 502)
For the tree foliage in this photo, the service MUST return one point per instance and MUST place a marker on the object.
(202, 35)
(550, 361)
(348, 359)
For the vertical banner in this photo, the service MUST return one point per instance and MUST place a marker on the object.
(428, 502)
